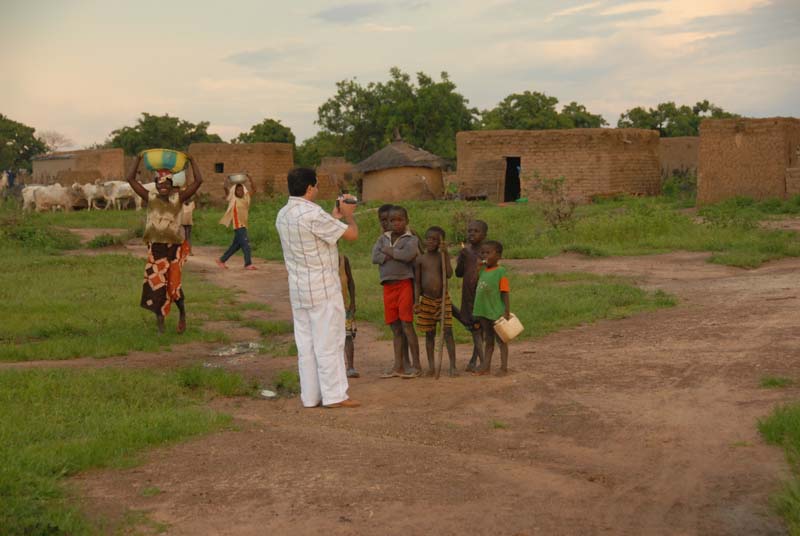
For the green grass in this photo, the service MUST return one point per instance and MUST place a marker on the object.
(782, 428)
(775, 382)
(287, 382)
(151, 491)
(498, 425)
(268, 328)
(197, 377)
(106, 240)
(56, 423)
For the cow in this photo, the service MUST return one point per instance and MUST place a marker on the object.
(92, 192)
(118, 193)
(52, 197)
(28, 200)
(3, 182)
(150, 187)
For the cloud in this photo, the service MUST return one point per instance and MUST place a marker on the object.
(349, 13)
(573, 10)
(380, 28)
(676, 12)
(267, 56)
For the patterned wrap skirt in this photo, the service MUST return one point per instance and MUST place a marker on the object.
(162, 276)
(430, 313)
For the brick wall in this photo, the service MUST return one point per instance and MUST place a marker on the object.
(80, 166)
(746, 157)
(267, 163)
(678, 155)
(792, 182)
(334, 174)
(597, 161)
(398, 184)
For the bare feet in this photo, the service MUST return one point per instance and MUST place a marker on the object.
(221, 264)
(481, 372)
(181, 324)
(250, 267)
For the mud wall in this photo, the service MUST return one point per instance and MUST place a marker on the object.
(678, 155)
(596, 161)
(83, 166)
(404, 183)
(746, 157)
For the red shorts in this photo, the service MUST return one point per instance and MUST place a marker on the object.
(398, 301)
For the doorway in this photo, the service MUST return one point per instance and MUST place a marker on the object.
(512, 188)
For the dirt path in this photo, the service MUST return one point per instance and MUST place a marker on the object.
(645, 425)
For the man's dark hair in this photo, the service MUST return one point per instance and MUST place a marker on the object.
(495, 245)
(436, 229)
(398, 208)
(385, 208)
(300, 178)
(485, 226)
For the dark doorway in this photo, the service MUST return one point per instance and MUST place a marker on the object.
(513, 168)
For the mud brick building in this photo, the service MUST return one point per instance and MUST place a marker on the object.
(678, 156)
(267, 163)
(401, 171)
(68, 167)
(747, 157)
(335, 174)
(501, 164)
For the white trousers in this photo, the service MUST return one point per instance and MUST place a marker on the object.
(319, 334)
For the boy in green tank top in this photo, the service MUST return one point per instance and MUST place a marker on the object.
(491, 303)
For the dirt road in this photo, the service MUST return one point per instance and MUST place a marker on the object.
(645, 425)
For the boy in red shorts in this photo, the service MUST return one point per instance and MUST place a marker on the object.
(395, 253)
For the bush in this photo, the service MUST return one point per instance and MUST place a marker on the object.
(680, 186)
(556, 207)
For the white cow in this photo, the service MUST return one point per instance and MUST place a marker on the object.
(118, 193)
(3, 182)
(150, 187)
(53, 196)
(92, 192)
(28, 200)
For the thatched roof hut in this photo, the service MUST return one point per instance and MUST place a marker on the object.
(401, 171)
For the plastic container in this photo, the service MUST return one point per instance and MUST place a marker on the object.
(155, 159)
(179, 179)
(508, 329)
(238, 178)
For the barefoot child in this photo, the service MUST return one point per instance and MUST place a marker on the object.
(395, 254)
(467, 268)
(236, 215)
(383, 218)
(166, 244)
(492, 302)
(349, 295)
(429, 284)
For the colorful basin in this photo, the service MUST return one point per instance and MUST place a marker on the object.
(155, 159)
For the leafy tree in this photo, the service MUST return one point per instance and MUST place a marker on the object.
(18, 144)
(312, 150)
(532, 110)
(671, 120)
(427, 113)
(269, 130)
(165, 131)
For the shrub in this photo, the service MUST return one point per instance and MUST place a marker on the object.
(287, 383)
(556, 207)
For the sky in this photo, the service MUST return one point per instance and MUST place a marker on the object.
(86, 67)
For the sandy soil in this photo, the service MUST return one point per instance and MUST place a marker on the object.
(645, 425)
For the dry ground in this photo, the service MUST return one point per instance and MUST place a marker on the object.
(645, 425)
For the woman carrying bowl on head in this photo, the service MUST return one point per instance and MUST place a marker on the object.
(166, 245)
(236, 216)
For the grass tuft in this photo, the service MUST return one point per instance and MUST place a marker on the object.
(196, 377)
(775, 382)
(287, 383)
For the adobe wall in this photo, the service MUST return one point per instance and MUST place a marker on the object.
(267, 163)
(593, 161)
(678, 155)
(746, 157)
(83, 167)
(334, 174)
(405, 183)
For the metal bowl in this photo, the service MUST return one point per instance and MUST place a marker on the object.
(238, 178)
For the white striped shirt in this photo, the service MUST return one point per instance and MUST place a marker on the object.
(308, 238)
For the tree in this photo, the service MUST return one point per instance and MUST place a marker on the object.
(18, 144)
(671, 120)
(311, 152)
(153, 131)
(269, 130)
(427, 114)
(55, 141)
(532, 110)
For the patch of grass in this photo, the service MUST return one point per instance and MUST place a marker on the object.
(55, 423)
(775, 382)
(105, 240)
(254, 306)
(588, 251)
(287, 383)
(782, 428)
(197, 377)
(151, 491)
(738, 444)
(498, 425)
(270, 327)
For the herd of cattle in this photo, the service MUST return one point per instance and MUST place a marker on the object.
(116, 194)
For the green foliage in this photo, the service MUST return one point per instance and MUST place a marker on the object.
(311, 152)
(55, 423)
(105, 240)
(498, 425)
(736, 213)
(196, 377)
(270, 327)
(782, 428)
(671, 120)
(269, 130)
(775, 382)
(18, 144)
(556, 207)
(532, 110)
(428, 114)
(154, 131)
(681, 187)
(23, 231)
(287, 383)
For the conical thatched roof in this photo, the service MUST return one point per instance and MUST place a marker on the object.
(400, 154)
